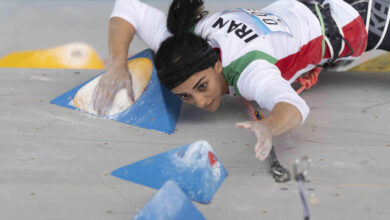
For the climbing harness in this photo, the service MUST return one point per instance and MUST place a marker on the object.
(331, 33)
(279, 173)
(301, 169)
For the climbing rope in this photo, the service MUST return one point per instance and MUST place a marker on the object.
(308, 80)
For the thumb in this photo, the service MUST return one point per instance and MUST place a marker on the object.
(130, 91)
(129, 87)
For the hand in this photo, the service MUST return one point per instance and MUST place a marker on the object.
(264, 137)
(113, 80)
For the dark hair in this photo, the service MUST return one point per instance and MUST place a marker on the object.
(184, 53)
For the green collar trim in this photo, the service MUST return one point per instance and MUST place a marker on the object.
(233, 70)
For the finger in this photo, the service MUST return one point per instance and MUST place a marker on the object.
(106, 102)
(258, 155)
(104, 108)
(99, 102)
(246, 125)
(130, 92)
(98, 108)
(261, 155)
(262, 150)
(103, 102)
(96, 98)
(258, 146)
(267, 147)
(264, 153)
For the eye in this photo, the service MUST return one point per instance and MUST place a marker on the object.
(183, 96)
(203, 86)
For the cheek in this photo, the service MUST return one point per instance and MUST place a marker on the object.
(189, 101)
(217, 102)
(215, 89)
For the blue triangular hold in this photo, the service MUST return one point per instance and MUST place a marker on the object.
(170, 203)
(194, 167)
(157, 108)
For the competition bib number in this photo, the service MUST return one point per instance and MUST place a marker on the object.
(267, 22)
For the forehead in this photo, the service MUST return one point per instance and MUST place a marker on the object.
(191, 82)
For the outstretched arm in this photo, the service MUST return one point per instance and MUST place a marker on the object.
(282, 118)
(263, 82)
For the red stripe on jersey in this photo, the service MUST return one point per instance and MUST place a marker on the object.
(354, 32)
(309, 53)
(356, 35)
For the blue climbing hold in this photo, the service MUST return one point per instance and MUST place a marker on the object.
(194, 167)
(169, 203)
(157, 108)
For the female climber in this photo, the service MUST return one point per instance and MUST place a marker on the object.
(253, 53)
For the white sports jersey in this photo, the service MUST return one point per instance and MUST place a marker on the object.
(262, 51)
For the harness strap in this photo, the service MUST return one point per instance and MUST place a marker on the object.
(330, 34)
(329, 28)
(322, 29)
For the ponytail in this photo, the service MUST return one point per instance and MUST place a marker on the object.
(183, 15)
(184, 53)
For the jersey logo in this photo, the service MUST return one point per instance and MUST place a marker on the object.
(267, 22)
(263, 23)
(241, 30)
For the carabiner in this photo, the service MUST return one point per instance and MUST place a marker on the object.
(301, 168)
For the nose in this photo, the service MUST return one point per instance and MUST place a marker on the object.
(200, 101)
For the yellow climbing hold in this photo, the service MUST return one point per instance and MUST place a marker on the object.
(69, 56)
(379, 63)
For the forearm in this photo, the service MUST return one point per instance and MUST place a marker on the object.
(283, 117)
(120, 35)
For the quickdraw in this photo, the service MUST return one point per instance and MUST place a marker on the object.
(301, 169)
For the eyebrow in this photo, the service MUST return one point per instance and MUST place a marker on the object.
(179, 94)
(198, 82)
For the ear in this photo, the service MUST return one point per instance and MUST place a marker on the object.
(218, 67)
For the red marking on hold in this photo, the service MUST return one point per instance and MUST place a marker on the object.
(212, 158)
